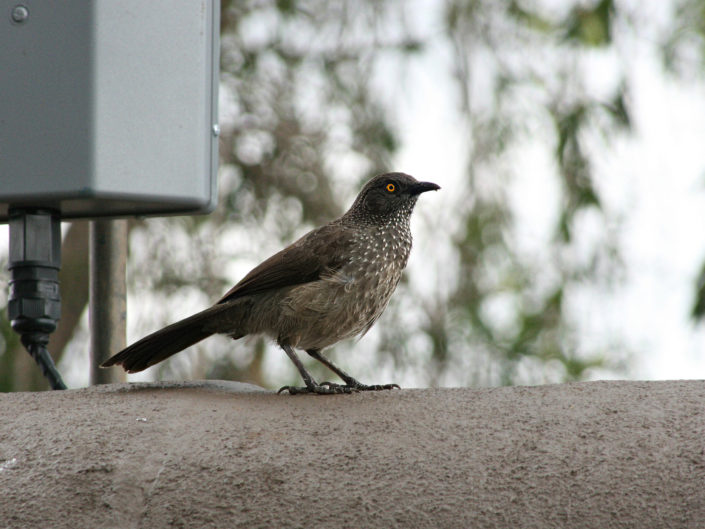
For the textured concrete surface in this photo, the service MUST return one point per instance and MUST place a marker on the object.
(599, 454)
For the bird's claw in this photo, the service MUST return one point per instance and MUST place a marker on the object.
(331, 388)
(358, 386)
(319, 389)
(377, 387)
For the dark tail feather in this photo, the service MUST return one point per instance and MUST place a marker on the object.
(165, 342)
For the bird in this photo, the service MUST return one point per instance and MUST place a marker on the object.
(331, 284)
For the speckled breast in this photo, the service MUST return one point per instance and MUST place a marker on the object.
(348, 301)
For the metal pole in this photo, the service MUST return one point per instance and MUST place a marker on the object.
(107, 305)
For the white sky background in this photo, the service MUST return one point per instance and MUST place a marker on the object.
(654, 180)
(657, 179)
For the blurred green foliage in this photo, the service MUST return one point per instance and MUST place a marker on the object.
(303, 124)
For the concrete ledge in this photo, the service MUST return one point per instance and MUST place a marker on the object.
(219, 454)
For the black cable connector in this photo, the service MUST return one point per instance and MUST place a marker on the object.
(34, 306)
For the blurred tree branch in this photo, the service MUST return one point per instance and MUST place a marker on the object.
(303, 124)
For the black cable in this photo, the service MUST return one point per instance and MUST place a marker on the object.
(36, 347)
(34, 305)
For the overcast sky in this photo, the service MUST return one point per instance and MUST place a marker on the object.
(653, 180)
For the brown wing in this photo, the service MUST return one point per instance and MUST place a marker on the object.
(321, 250)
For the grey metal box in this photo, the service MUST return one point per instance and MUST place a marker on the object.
(109, 107)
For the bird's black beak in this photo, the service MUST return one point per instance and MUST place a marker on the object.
(422, 187)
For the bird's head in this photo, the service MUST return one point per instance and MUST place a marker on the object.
(388, 195)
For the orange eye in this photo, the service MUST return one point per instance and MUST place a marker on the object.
(391, 188)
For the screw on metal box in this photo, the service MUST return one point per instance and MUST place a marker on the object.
(20, 14)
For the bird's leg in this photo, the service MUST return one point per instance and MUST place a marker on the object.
(311, 385)
(350, 382)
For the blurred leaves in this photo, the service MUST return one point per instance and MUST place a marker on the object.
(683, 55)
(303, 124)
(508, 308)
(698, 310)
(683, 42)
(591, 26)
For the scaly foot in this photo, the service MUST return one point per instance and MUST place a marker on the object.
(318, 389)
(354, 385)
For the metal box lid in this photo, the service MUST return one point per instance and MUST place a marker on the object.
(109, 108)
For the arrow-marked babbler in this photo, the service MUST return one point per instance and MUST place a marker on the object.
(331, 284)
